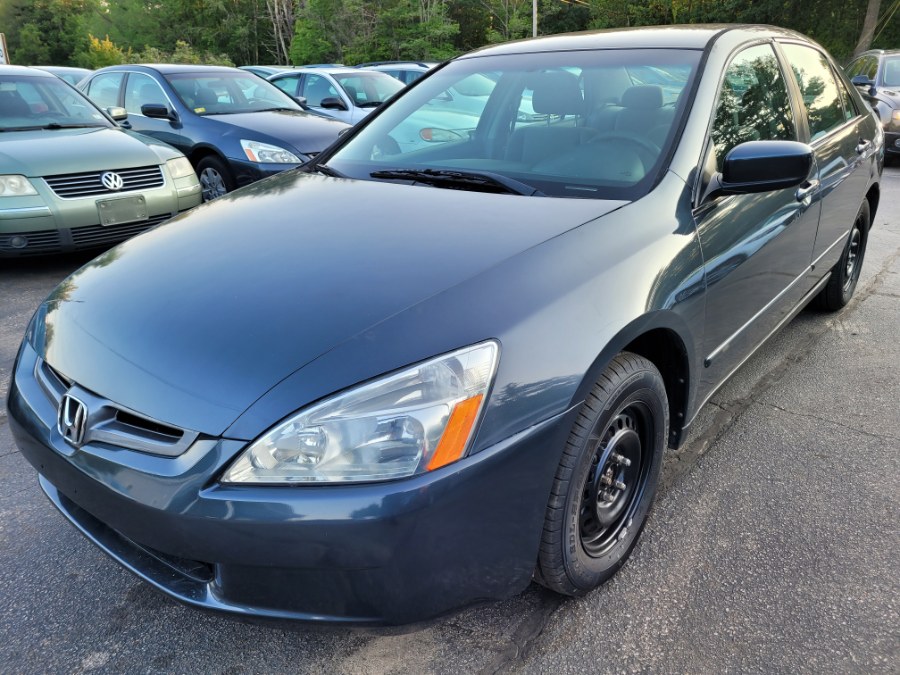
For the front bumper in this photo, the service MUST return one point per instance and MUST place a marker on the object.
(246, 172)
(377, 554)
(892, 142)
(45, 223)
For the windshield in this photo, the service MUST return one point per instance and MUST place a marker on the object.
(28, 102)
(892, 71)
(222, 93)
(587, 124)
(368, 89)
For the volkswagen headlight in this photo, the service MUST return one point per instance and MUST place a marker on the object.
(180, 167)
(16, 186)
(407, 423)
(272, 154)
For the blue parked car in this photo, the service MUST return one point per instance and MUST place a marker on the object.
(234, 127)
(399, 381)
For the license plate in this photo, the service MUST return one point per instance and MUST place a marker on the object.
(122, 210)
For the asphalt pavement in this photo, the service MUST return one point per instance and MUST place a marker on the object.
(774, 545)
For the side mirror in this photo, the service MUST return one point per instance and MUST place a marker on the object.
(862, 81)
(333, 103)
(117, 113)
(762, 166)
(301, 101)
(157, 111)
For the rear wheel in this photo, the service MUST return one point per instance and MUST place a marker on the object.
(215, 177)
(606, 479)
(845, 274)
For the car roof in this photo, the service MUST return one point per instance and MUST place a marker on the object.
(696, 36)
(345, 70)
(24, 70)
(167, 68)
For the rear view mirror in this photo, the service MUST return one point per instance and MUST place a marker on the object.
(157, 110)
(117, 113)
(762, 166)
(333, 103)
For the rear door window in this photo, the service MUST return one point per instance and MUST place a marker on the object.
(817, 87)
(104, 89)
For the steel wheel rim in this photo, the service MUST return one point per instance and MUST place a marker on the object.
(616, 480)
(212, 184)
(851, 267)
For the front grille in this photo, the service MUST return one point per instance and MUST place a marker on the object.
(110, 424)
(72, 185)
(101, 235)
(45, 241)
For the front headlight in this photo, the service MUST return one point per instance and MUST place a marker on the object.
(180, 167)
(16, 186)
(414, 421)
(263, 152)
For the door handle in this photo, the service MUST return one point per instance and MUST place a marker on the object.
(862, 146)
(806, 191)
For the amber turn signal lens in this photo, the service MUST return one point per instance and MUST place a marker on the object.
(453, 442)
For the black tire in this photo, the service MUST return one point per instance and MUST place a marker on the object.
(845, 274)
(626, 415)
(215, 177)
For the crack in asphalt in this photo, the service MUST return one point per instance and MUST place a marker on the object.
(829, 421)
(526, 634)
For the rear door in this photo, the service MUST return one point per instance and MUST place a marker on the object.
(842, 149)
(756, 247)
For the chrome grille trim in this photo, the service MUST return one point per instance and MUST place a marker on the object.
(104, 424)
(88, 184)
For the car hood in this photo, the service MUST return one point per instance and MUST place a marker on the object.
(194, 321)
(306, 132)
(52, 152)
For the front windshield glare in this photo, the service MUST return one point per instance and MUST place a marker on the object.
(28, 102)
(592, 124)
(225, 93)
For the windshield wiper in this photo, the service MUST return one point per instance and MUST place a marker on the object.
(479, 181)
(369, 104)
(57, 125)
(297, 109)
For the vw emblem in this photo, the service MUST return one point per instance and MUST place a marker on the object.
(72, 420)
(112, 180)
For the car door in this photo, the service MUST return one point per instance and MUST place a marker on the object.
(756, 247)
(841, 143)
(142, 89)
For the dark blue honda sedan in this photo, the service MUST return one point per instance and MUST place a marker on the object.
(233, 128)
(409, 377)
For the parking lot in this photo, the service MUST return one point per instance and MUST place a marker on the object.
(773, 545)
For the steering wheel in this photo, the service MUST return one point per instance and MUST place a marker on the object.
(649, 146)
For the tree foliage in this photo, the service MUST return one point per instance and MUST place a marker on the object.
(349, 31)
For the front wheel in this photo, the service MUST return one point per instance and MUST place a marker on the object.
(606, 479)
(845, 274)
(215, 177)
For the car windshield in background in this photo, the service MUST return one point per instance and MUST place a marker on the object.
(368, 89)
(892, 71)
(44, 103)
(587, 124)
(227, 93)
